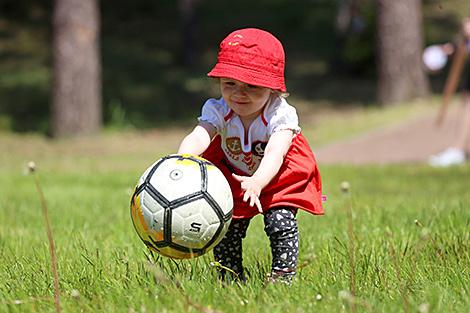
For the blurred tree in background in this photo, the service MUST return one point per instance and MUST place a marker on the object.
(189, 23)
(400, 45)
(354, 37)
(155, 54)
(76, 88)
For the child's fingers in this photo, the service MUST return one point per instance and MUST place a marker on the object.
(258, 205)
(254, 200)
(249, 197)
(246, 196)
(237, 177)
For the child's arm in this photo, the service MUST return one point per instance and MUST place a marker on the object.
(198, 140)
(274, 154)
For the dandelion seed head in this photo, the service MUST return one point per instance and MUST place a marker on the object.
(423, 308)
(425, 232)
(345, 295)
(345, 186)
(75, 293)
(31, 166)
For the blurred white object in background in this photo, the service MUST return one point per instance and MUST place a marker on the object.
(434, 58)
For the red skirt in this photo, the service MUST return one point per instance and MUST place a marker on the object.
(297, 184)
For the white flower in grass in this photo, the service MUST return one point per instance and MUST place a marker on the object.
(318, 297)
(243, 302)
(75, 293)
(346, 295)
(345, 186)
(423, 308)
(425, 233)
(29, 168)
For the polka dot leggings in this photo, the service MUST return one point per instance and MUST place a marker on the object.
(281, 228)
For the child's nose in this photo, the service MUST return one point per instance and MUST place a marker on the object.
(240, 89)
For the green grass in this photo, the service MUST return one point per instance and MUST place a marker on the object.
(408, 250)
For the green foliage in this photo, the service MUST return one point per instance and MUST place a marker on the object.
(145, 55)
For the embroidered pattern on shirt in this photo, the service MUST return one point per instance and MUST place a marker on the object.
(234, 145)
(258, 147)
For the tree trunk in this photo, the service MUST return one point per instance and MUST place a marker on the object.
(76, 99)
(400, 45)
(189, 24)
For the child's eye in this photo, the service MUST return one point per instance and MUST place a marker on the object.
(228, 83)
(252, 86)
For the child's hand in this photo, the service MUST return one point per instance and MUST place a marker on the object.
(448, 48)
(252, 188)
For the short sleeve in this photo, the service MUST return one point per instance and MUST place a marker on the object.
(282, 116)
(213, 112)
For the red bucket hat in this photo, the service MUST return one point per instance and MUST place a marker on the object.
(252, 56)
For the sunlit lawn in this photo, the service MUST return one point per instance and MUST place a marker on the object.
(406, 246)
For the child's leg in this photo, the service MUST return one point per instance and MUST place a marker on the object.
(229, 251)
(281, 228)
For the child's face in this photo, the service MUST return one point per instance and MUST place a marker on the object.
(247, 101)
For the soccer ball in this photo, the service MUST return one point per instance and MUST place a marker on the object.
(181, 206)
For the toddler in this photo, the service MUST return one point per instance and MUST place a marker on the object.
(252, 135)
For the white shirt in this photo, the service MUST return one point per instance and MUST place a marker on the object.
(246, 156)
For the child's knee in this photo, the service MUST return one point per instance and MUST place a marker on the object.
(280, 223)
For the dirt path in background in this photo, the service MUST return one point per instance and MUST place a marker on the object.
(410, 142)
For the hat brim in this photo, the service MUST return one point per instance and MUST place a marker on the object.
(247, 76)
